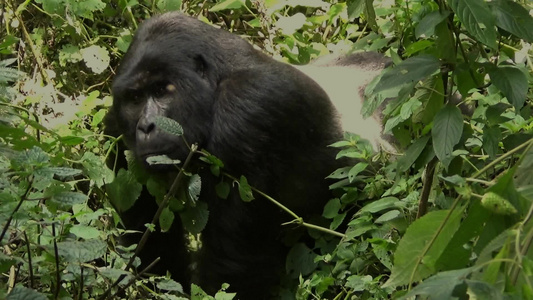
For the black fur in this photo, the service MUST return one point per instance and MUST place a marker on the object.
(262, 118)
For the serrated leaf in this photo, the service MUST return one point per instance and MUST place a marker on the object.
(409, 266)
(446, 132)
(440, 286)
(96, 169)
(166, 219)
(410, 70)
(195, 218)
(170, 285)
(24, 293)
(514, 18)
(194, 188)
(63, 172)
(124, 190)
(82, 251)
(427, 25)
(512, 82)
(169, 125)
(69, 198)
(245, 190)
(477, 19)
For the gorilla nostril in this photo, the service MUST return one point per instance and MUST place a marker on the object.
(146, 127)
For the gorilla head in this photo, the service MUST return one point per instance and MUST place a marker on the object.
(264, 119)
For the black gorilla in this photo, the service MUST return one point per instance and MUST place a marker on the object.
(264, 119)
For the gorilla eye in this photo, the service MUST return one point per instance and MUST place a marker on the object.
(161, 88)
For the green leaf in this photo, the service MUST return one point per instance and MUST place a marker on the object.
(412, 154)
(81, 251)
(409, 266)
(194, 218)
(331, 210)
(95, 169)
(379, 205)
(390, 215)
(63, 172)
(359, 283)
(245, 190)
(410, 70)
(358, 168)
(124, 190)
(84, 232)
(477, 19)
(512, 82)
(162, 160)
(228, 4)
(168, 5)
(169, 125)
(491, 137)
(24, 293)
(446, 132)
(440, 286)
(222, 189)
(426, 27)
(69, 198)
(355, 8)
(483, 290)
(300, 261)
(514, 18)
(194, 188)
(170, 285)
(166, 219)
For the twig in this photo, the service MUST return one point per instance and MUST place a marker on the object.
(428, 183)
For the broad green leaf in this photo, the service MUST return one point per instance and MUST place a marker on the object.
(512, 82)
(69, 198)
(166, 219)
(408, 263)
(358, 168)
(300, 261)
(85, 232)
(359, 283)
(355, 8)
(24, 293)
(491, 137)
(170, 285)
(427, 25)
(195, 218)
(96, 169)
(124, 190)
(63, 172)
(483, 290)
(81, 251)
(477, 19)
(245, 190)
(440, 286)
(227, 4)
(222, 189)
(370, 15)
(514, 18)
(446, 132)
(379, 205)
(456, 255)
(331, 209)
(410, 70)
(169, 125)
(162, 160)
(412, 154)
(390, 215)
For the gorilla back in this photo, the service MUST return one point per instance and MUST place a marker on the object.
(264, 119)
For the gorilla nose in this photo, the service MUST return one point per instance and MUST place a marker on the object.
(145, 126)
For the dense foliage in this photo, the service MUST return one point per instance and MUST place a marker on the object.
(448, 216)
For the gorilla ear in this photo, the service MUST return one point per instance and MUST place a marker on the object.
(200, 65)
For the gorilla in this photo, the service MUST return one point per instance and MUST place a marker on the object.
(264, 119)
